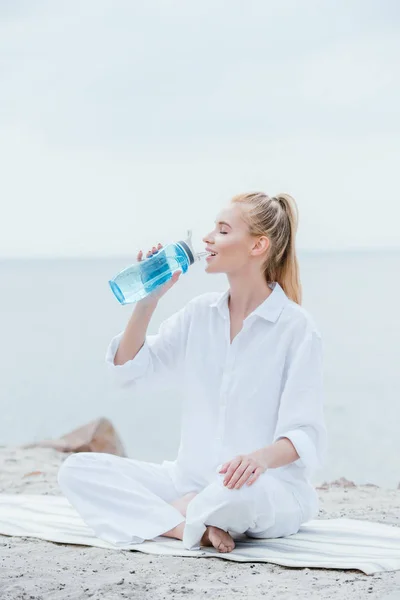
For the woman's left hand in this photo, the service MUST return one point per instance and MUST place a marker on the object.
(244, 468)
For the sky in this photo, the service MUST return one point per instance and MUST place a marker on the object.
(125, 123)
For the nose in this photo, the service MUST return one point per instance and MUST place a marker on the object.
(207, 239)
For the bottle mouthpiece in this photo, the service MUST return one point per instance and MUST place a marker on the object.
(187, 245)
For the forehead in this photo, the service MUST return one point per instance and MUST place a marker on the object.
(231, 214)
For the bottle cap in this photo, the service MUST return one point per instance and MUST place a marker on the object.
(187, 245)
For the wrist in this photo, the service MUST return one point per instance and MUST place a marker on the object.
(263, 457)
(147, 305)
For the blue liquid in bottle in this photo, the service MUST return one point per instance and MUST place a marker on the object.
(140, 279)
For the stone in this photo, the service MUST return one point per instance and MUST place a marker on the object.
(342, 482)
(323, 486)
(97, 436)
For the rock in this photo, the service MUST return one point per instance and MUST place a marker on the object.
(342, 482)
(96, 436)
(323, 486)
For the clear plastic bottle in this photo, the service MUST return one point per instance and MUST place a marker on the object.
(140, 279)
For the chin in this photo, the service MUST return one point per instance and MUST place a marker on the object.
(210, 268)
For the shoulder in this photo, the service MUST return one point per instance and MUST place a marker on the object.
(197, 309)
(200, 307)
(299, 319)
(203, 301)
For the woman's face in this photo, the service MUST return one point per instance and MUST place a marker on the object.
(230, 240)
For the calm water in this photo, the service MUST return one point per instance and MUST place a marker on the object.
(57, 318)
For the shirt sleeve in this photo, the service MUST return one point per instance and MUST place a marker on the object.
(301, 414)
(158, 360)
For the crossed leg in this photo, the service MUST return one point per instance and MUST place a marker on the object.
(115, 496)
(266, 509)
(213, 536)
(126, 501)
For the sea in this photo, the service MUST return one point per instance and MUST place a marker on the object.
(57, 317)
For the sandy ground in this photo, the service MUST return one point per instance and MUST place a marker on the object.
(36, 570)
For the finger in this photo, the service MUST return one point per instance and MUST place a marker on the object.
(140, 255)
(154, 250)
(171, 281)
(231, 469)
(159, 246)
(247, 473)
(238, 474)
(174, 278)
(224, 468)
(168, 284)
(254, 476)
(148, 253)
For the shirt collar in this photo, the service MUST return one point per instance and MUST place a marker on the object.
(270, 309)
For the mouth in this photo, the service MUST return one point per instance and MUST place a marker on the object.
(211, 255)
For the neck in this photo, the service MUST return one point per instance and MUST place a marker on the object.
(246, 293)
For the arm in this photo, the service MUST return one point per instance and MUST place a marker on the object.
(280, 453)
(135, 333)
(301, 419)
(133, 357)
(300, 434)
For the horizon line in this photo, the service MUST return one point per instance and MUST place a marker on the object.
(355, 249)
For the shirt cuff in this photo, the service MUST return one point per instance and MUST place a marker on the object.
(126, 374)
(304, 448)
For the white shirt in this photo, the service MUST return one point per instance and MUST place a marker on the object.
(242, 396)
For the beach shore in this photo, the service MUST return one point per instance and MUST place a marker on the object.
(33, 569)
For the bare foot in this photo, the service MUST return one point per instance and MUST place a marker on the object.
(220, 539)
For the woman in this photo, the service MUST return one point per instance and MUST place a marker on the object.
(250, 364)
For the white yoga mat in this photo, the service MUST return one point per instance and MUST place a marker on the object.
(330, 544)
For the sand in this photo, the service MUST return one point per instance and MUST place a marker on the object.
(36, 570)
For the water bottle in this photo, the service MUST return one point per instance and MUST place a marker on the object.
(140, 279)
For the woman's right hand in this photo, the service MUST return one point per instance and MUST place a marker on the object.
(154, 296)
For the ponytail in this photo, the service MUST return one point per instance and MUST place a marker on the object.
(287, 270)
(277, 218)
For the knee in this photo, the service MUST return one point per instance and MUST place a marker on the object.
(68, 470)
(239, 497)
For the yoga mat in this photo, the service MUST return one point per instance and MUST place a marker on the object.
(320, 543)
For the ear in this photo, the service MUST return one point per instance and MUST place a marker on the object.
(261, 246)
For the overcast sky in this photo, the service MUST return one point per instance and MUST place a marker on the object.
(125, 123)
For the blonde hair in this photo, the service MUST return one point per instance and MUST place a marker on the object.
(277, 218)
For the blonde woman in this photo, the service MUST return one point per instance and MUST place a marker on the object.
(249, 361)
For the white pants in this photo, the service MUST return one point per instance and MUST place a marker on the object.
(127, 501)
